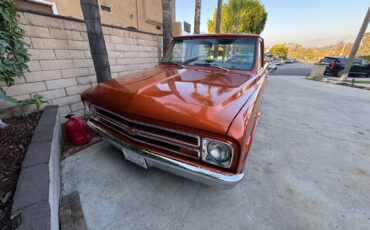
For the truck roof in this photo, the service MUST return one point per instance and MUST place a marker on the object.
(218, 35)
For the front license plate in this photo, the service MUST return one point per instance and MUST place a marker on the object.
(134, 157)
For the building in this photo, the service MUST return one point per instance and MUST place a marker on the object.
(143, 15)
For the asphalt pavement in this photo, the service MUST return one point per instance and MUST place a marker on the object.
(295, 69)
(308, 168)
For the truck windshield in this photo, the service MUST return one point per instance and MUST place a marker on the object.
(226, 53)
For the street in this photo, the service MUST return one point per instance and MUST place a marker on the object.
(296, 69)
(308, 168)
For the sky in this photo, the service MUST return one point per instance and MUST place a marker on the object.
(309, 22)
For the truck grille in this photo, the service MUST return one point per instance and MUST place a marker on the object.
(170, 140)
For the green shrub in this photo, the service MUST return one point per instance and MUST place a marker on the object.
(13, 52)
(36, 99)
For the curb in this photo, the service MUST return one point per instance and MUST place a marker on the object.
(36, 198)
(349, 84)
(329, 81)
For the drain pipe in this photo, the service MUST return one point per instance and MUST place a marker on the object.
(159, 48)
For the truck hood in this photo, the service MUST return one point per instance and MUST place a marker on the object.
(190, 97)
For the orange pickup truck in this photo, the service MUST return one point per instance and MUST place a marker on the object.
(194, 115)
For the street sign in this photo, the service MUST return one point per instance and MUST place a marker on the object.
(187, 27)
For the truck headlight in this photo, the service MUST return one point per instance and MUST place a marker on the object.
(217, 152)
(90, 110)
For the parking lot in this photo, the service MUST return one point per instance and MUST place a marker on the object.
(308, 169)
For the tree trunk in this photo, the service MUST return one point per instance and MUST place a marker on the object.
(218, 17)
(198, 4)
(90, 10)
(167, 24)
(218, 26)
(355, 47)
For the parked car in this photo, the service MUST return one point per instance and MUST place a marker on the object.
(193, 115)
(269, 57)
(290, 60)
(272, 66)
(279, 61)
(335, 66)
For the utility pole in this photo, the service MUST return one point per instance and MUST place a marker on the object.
(355, 47)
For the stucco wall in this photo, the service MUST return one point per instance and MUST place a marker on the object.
(61, 67)
(144, 15)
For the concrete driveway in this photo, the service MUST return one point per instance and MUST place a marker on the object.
(309, 168)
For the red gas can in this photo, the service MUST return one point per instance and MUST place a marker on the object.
(77, 130)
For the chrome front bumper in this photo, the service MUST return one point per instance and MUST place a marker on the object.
(179, 168)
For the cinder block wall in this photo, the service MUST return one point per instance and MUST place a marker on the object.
(61, 67)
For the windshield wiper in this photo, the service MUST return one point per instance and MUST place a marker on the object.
(220, 67)
(173, 63)
(213, 65)
(190, 60)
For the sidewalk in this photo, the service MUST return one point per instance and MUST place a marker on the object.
(359, 82)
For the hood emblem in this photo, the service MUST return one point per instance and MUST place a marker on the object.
(131, 131)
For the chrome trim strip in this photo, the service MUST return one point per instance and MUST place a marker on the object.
(158, 146)
(359, 73)
(111, 120)
(146, 135)
(140, 133)
(149, 135)
(179, 168)
(155, 126)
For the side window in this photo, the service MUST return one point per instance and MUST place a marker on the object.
(341, 60)
(260, 56)
(262, 51)
(329, 60)
(177, 53)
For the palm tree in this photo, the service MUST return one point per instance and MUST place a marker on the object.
(218, 17)
(198, 4)
(167, 24)
(218, 25)
(355, 47)
(90, 10)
